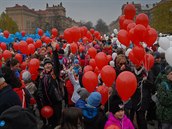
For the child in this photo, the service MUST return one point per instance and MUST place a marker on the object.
(117, 116)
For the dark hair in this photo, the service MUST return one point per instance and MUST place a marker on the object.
(10, 77)
(71, 118)
(12, 62)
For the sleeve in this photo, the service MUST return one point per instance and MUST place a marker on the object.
(40, 92)
(56, 64)
(72, 78)
(164, 95)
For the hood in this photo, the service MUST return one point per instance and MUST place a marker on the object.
(89, 113)
(115, 120)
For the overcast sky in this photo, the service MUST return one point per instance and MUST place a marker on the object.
(80, 10)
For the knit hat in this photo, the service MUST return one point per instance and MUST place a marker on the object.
(26, 76)
(116, 104)
(83, 93)
(168, 69)
(47, 60)
(157, 55)
(76, 61)
(94, 99)
(17, 118)
(2, 80)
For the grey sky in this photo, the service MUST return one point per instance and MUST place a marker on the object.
(80, 10)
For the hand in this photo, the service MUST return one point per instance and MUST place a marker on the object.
(53, 44)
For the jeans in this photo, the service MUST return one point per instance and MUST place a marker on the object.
(166, 126)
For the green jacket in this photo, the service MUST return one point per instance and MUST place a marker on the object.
(164, 105)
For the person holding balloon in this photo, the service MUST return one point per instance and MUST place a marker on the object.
(49, 88)
(117, 115)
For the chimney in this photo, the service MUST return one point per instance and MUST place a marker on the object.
(47, 5)
(147, 5)
(133, 2)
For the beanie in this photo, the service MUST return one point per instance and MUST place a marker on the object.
(83, 93)
(116, 104)
(47, 60)
(17, 118)
(94, 99)
(168, 69)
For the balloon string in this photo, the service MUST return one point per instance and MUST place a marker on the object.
(108, 102)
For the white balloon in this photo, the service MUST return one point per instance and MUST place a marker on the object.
(164, 43)
(168, 56)
(112, 35)
(112, 63)
(114, 55)
(115, 31)
(160, 50)
(160, 34)
(123, 46)
(128, 51)
(170, 43)
(144, 45)
(170, 37)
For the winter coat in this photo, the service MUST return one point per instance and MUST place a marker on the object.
(164, 104)
(75, 83)
(94, 118)
(124, 123)
(8, 98)
(49, 89)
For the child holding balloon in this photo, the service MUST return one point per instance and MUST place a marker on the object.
(117, 115)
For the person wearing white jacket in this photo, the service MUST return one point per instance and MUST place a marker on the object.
(75, 83)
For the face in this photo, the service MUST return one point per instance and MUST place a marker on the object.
(48, 67)
(122, 62)
(158, 60)
(15, 67)
(169, 76)
(119, 114)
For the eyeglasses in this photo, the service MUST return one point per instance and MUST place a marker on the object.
(122, 63)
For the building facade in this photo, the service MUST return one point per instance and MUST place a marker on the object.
(29, 19)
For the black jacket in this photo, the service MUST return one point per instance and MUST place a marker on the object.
(49, 89)
(8, 98)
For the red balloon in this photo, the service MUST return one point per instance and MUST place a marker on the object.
(85, 40)
(23, 33)
(88, 68)
(142, 19)
(67, 35)
(47, 112)
(40, 32)
(133, 37)
(47, 40)
(3, 46)
(126, 23)
(75, 33)
(83, 31)
(126, 84)
(123, 37)
(130, 26)
(92, 31)
(34, 65)
(140, 32)
(38, 43)
(54, 32)
(23, 65)
(16, 46)
(139, 52)
(31, 49)
(148, 61)
(151, 37)
(108, 75)
(73, 48)
(112, 127)
(101, 60)
(96, 71)
(29, 40)
(92, 63)
(89, 36)
(7, 54)
(57, 46)
(121, 20)
(103, 90)
(92, 52)
(129, 11)
(6, 33)
(34, 74)
(133, 59)
(81, 48)
(90, 81)
(109, 58)
(19, 57)
(23, 47)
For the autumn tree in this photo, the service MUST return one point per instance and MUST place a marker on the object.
(6, 23)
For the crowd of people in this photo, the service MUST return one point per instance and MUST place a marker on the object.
(59, 86)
